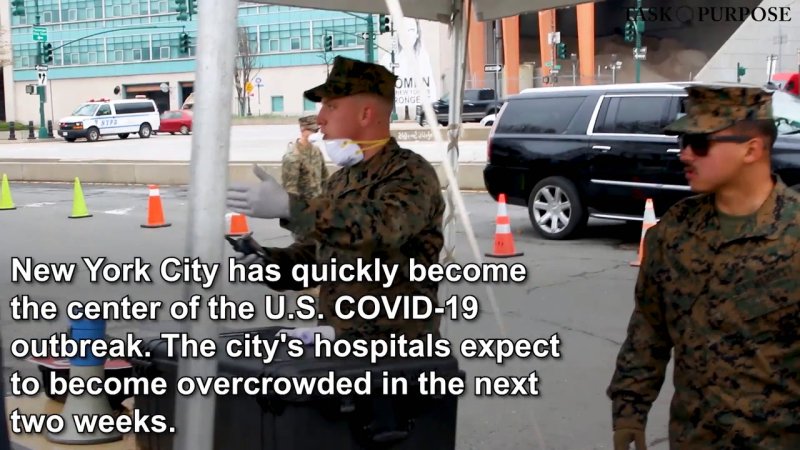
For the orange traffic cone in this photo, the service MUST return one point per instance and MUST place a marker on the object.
(155, 213)
(238, 226)
(648, 222)
(503, 240)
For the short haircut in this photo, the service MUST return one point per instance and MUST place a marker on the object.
(765, 128)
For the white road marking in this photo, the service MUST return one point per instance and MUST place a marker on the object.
(119, 212)
(38, 205)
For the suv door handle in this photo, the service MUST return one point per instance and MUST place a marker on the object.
(603, 148)
(673, 150)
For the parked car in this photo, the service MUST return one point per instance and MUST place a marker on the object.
(570, 153)
(103, 117)
(178, 121)
(477, 104)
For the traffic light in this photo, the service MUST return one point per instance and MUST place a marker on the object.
(630, 31)
(181, 9)
(561, 50)
(192, 7)
(740, 71)
(384, 23)
(328, 43)
(47, 53)
(17, 7)
(184, 43)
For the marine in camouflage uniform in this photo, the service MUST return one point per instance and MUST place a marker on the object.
(303, 168)
(723, 293)
(389, 207)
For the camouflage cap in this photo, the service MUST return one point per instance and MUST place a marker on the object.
(309, 122)
(713, 108)
(350, 77)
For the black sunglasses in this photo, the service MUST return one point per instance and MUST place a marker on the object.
(701, 142)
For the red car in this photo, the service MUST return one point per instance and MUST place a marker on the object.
(179, 121)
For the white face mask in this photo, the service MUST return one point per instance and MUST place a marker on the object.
(346, 152)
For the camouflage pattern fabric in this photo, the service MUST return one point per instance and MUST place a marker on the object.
(729, 308)
(389, 207)
(303, 170)
(350, 77)
(308, 123)
(713, 108)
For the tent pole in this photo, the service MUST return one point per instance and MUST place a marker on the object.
(216, 47)
(459, 33)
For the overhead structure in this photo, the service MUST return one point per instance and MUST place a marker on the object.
(437, 10)
(216, 44)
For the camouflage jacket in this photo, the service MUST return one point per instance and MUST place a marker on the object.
(303, 170)
(730, 311)
(388, 207)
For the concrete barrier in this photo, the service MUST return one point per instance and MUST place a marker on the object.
(470, 176)
(418, 133)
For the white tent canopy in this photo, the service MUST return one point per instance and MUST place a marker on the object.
(216, 47)
(437, 10)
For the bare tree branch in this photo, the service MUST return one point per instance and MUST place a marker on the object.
(245, 63)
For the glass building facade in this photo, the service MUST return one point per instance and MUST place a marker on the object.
(106, 38)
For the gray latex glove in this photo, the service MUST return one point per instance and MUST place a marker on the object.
(265, 200)
(247, 260)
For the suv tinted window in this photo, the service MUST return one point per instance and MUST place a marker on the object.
(539, 115)
(633, 115)
(133, 108)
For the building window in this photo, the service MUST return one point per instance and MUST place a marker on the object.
(277, 103)
(118, 56)
(47, 16)
(116, 11)
(295, 43)
(137, 54)
(92, 57)
(89, 13)
(72, 14)
(74, 58)
(274, 45)
(135, 9)
(308, 105)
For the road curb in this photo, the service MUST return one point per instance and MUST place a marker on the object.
(469, 175)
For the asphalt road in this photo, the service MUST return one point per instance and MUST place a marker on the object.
(580, 289)
(248, 143)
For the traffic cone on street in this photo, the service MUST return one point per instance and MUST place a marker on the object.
(503, 240)
(238, 226)
(155, 213)
(648, 222)
(5, 195)
(79, 209)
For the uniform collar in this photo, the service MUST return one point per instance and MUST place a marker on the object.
(770, 219)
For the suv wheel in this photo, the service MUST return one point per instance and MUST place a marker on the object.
(145, 131)
(556, 209)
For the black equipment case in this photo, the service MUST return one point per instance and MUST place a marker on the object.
(311, 422)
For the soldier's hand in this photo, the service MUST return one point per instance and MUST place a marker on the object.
(247, 260)
(265, 200)
(623, 437)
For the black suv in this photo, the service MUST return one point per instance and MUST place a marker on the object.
(568, 153)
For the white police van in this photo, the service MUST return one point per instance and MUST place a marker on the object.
(102, 117)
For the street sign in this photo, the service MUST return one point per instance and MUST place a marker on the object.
(493, 68)
(40, 34)
(258, 80)
(41, 67)
(248, 87)
(548, 64)
(554, 37)
(641, 54)
(42, 75)
(557, 67)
